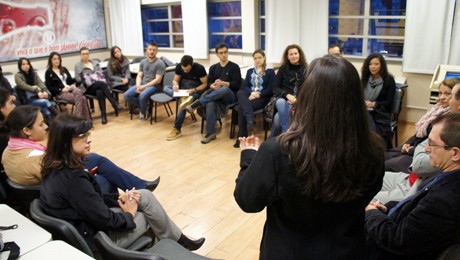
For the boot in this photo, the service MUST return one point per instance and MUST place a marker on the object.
(103, 111)
(189, 244)
(54, 112)
(116, 106)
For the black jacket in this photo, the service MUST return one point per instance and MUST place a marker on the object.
(420, 229)
(75, 196)
(54, 83)
(288, 80)
(298, 227)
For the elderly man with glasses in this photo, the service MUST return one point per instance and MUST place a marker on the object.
(422, 225)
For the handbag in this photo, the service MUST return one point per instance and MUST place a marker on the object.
(269, 109)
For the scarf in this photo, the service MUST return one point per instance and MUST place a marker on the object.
(16, 144)
(256, 81)
(373, 88)
(422, 125)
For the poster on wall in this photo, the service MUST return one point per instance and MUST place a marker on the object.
(35, 28)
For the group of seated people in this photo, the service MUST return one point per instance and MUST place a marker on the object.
(412, 207)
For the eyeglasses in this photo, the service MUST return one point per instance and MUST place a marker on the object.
(434, 145)
(86, 137)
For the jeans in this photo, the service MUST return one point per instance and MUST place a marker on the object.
(221, 96)
(140, 99)
(110, 176)
(284, 114)
(180, 116)
(276, 126)
(44, 104)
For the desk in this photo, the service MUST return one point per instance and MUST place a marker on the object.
(55, 250)
(27, 236)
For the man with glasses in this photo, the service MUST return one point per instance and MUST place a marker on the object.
(424, 224)
(398, 185)
(224, 81)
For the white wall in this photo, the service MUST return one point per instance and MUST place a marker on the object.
(416, 97)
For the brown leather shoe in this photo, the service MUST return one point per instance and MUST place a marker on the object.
(185, 101)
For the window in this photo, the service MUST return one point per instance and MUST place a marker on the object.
(363, 27)
(262, 24)
(163, 25)
(224, 22)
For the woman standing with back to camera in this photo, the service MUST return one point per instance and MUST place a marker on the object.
(316, 178)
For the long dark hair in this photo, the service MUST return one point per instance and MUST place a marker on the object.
(60, 154)
(4, 97)
(50, 61)
(302, 58)
(115, 65)
(20, 117)
(329, 141)
(366, 73)
(30, 76)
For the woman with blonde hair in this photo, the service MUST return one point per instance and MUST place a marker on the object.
(254, 94)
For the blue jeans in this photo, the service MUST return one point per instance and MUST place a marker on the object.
(44, 104)
(221, 96)
(180, 116)
(276, 126)
(140, 99)
(110, 176)
(281, 125)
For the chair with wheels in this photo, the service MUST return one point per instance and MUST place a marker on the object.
(24, 194)
(63, 230)
(164, 249)
(396, 110)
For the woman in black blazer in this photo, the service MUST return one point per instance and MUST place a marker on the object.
(62, 86)
(379, 91)
(315, 179)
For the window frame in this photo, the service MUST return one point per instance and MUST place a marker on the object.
(170, 21)
(366, 36)
(216, 18)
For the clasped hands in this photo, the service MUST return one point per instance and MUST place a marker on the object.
(217, 84)
(291, 99)
(254, 95)
(376, 205)
(250, 142)
(129, 200)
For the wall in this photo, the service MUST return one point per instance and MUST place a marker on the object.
(415, 101)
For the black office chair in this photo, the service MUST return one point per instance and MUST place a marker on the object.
(24, 194)
(63, 230)
(59, 229)
(395, 111)
(137, 60)
(164, 249)
(234, 120)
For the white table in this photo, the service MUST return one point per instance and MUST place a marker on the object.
(27, 236)
(55, 250)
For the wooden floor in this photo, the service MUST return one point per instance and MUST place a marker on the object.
(197, 180)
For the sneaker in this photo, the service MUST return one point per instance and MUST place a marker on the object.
(174, 134)
(190, 108)
(141, 117)
(208, 138)
(185, 101)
